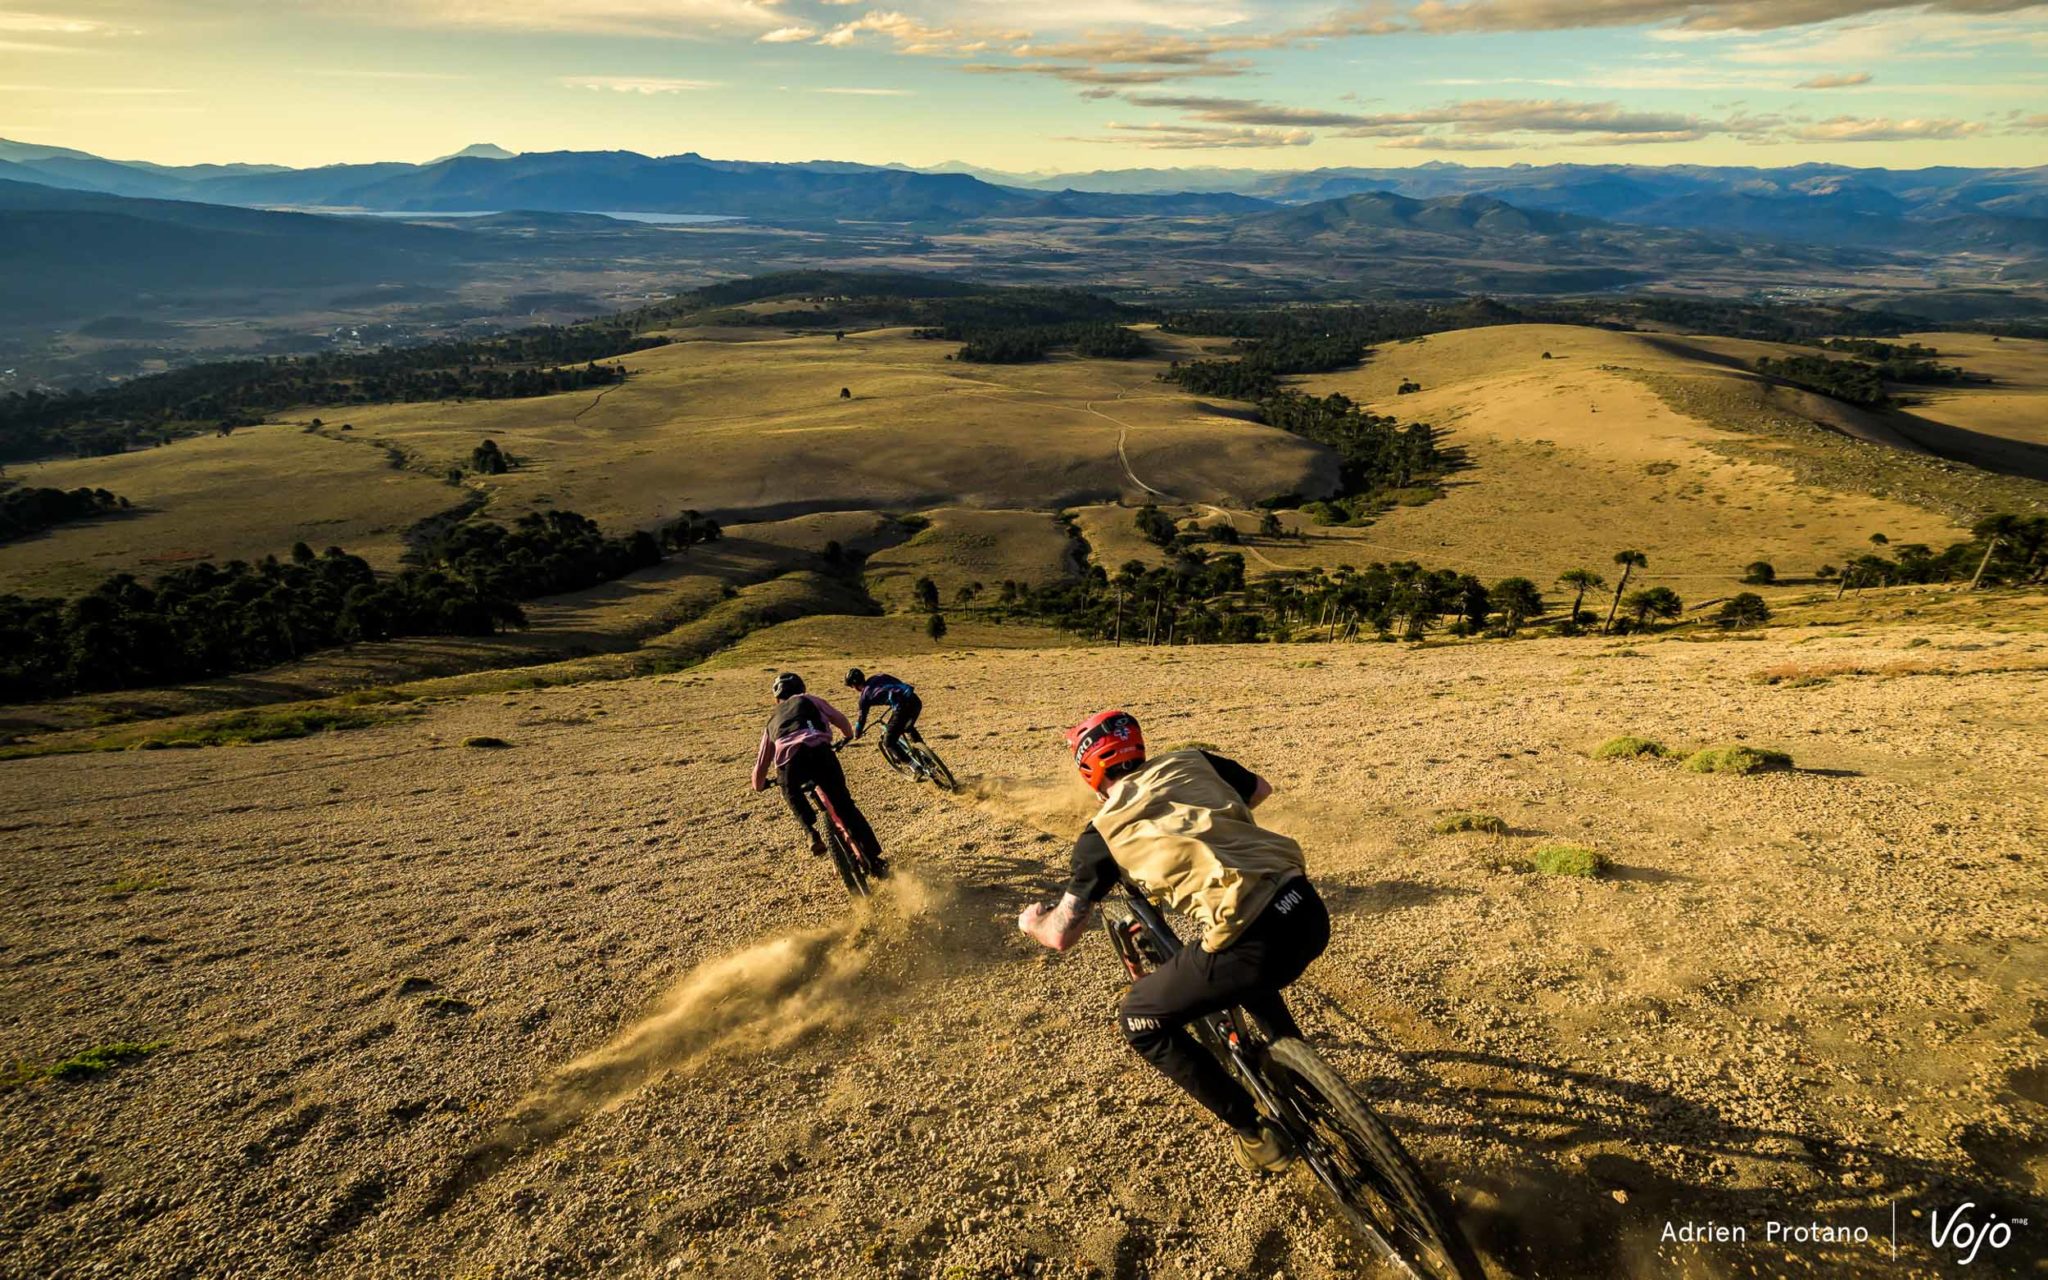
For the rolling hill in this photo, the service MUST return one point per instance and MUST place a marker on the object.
(75, 253)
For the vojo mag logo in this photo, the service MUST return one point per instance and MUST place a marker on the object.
(1967, 1231)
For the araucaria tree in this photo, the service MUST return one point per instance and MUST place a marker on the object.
(1517, 601)
(1580, 581)
(1628, 560)
(1744, 610)
(1652, 602)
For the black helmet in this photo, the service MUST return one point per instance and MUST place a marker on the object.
(856, 678)
(788, 685)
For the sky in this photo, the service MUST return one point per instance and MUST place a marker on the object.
(1064, 85)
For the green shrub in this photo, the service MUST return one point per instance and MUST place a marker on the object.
(1738, 760)
(1568, 860)
(1628, 747)
(79, 1066)
(1453, 823)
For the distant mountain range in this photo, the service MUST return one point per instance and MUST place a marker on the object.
(486, 178)
(2002, 211)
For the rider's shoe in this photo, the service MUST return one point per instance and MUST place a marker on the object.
(878, 866)
(817, 845)
(1270, 1152)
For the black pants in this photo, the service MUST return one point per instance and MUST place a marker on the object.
(1288, 934)
(820, 765)
(902, 722)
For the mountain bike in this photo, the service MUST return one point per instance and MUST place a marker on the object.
(915, 759)
(847, 858)
(1376, 1185)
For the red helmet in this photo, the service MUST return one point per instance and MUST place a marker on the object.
(1106, 746)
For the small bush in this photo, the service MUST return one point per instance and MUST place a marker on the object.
(1453, 823)
(1628, 747)
(1737, 760)
(79, 1066)
(485, 742)
(1568, 860)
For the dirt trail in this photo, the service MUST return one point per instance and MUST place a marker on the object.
(581, 1007)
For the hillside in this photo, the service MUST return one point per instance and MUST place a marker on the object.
(65, 253)
(579, 1005)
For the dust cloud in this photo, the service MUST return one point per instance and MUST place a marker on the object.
(759, 999)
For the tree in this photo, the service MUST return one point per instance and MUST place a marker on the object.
(1745, 610)
(1994, 530)
(1653, 602)
(935, 627)
(1759, 573)
(927, 593)
(1518, 600)
(1225, 532)
(846, 393)
(488, 460)
(1580, 581)
(1628, 560)
(1475, 603)
(1270, 526)
(1157, 526)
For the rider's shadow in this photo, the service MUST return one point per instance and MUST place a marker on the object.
(1378, 897)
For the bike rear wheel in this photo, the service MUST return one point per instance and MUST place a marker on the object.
(1375, 1183)
(900, 759)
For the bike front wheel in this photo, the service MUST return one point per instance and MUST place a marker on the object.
(1375, 1183)
(935, 768)
(853, 872)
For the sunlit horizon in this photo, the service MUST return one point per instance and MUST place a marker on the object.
(1062, 88)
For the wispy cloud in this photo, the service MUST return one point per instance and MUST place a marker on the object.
(1837, 81)
(637, 84)
(668, 19)
(1439, 17)
(1884, 129)
(1184, 137)
(50, 24)
(1086, 75)
(787, 35)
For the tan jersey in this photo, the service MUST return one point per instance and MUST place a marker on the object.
(1188, 840)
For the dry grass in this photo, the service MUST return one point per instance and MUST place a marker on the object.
(245, 496)
(1574, 456)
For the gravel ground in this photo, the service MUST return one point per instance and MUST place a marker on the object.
(579, 1007)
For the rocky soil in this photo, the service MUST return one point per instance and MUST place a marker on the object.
(580, 1007)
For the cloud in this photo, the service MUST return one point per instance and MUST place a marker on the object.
(787, 35)
(668, 19)
(1440, 17)
(1104, 76)
(1140, 48)
(49, 24)
(1447, 142)
(1835, 81)
(1179, 137)
(637, 84)
(915, 37)
(1484, 115)
(1884, 129)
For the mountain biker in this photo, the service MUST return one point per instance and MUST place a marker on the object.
(798, 743)
(1179, 828)
(904, 705)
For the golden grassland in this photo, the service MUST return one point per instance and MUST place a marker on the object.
(217, 498)
(760, 430)
(1571, 459)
